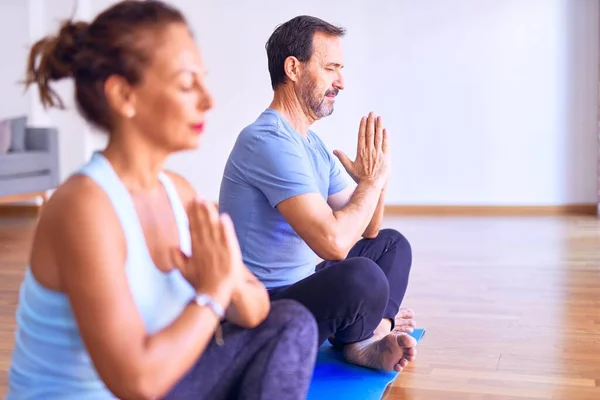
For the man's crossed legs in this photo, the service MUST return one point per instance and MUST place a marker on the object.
(356, 302)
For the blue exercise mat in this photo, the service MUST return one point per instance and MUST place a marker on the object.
(334, 378)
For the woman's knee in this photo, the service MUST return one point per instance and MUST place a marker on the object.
(292, 315)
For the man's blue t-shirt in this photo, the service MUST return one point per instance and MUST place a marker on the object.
(271, 162)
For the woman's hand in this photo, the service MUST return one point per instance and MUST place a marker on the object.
(215, 266)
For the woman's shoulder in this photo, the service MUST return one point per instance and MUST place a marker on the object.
(77, 228)
(78, 204)
(78, 193)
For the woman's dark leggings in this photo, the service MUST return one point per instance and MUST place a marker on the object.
(349, 298)
(272, 361)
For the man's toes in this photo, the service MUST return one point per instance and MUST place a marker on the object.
(403, 328)
(406, 341)
(409, 345)
(410, 354)
(404, 321)
(405, 313)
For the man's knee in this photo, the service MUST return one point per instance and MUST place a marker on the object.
(396, 239)
(400, 243)
(361, 278)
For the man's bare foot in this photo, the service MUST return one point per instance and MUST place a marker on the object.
(404, 321)
(392, 352)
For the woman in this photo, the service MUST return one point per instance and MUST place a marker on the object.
(130, 274)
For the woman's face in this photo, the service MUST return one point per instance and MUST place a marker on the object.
(172, 99)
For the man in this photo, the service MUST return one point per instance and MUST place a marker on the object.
(289, 199)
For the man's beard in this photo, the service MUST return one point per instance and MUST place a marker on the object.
(314, 102)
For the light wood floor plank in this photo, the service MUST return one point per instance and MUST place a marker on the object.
(511, 306)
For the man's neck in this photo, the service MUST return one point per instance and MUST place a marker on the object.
(291, 108)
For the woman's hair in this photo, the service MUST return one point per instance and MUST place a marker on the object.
(118, 42)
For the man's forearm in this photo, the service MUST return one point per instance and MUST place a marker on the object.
(373, 229)
(356, 215)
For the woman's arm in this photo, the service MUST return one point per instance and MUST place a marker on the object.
(250, 303)
(89, 248)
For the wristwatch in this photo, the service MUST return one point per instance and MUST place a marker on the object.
(204, 300)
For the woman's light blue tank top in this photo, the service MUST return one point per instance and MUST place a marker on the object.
(49, 360)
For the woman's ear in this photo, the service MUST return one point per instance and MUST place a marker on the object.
(120, 96)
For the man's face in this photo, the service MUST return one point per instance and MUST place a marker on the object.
(322, 79)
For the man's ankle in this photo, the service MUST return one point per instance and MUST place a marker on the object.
(384, 327)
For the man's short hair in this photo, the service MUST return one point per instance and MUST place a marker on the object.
(295, 38)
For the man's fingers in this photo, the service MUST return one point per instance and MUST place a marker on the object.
(385, 142)
(370, 134)
(379, 133)
(362, 131)
(346, 163)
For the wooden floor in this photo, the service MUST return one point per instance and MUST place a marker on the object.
(511, 306)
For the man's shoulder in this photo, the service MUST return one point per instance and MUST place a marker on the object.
(266, 132)
(264, 124)
(319, 145)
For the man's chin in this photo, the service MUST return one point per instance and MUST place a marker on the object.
(325, 112)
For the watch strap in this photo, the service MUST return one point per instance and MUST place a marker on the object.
(205, 300)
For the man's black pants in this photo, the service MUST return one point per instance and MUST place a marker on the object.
(349, 298)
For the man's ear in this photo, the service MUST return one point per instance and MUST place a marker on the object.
(120, 96)
(291, 66)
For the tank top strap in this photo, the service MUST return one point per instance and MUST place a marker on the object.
(102, 173)
(181, 217)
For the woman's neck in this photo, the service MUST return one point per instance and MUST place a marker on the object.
(137, 162)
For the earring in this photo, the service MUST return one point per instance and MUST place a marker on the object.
(130, 113)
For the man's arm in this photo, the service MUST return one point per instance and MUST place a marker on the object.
(373, 229)
(331, 234)
(339, 200)
(280, 169)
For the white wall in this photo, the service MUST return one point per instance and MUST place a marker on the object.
(462, 84)
(13, 47)
(77, 139)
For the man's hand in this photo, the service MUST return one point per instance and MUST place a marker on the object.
(339, 200)
(372, 162)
